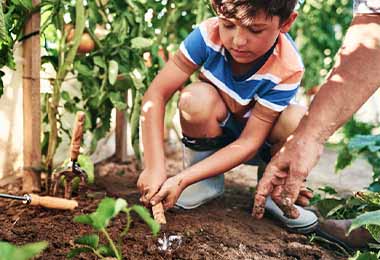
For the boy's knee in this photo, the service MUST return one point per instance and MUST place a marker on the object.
(200, 102)
(287, 123)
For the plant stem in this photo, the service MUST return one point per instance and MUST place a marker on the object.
(98, 254)
(64, 64)
(126, 229)
(321, 239)
(112, 244)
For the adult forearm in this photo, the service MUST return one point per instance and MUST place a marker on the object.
(354, 78)
(152, 122)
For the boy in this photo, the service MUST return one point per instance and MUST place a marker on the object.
(237, 113)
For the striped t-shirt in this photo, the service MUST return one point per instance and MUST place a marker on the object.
(273, 83)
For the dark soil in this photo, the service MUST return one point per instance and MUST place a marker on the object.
(222, 229)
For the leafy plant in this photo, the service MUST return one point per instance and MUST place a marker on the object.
(351, 207)
(108, 209)
(318, 31)
(365, 256)
(13, 16)
(358, 141)
(25, 252)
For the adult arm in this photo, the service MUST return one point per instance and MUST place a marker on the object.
(354, 78)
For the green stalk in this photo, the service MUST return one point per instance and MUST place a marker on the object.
(63, 69)
(117, 253)
(97, 254)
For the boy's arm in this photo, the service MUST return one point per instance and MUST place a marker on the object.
(253, 136)
(168, 80)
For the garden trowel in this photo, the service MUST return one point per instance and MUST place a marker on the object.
(43, 201)
(73, 169)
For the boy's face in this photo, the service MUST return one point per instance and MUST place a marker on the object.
(246, 44)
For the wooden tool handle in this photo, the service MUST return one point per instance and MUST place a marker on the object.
(52, 202)
(77, 135)
(159, 213)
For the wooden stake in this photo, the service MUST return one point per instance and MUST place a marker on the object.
(31, 104)
(121, 141)
(159, 213)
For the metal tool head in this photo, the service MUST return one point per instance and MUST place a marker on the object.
(72, 169)
(67, 175)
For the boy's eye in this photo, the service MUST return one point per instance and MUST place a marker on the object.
(255, 31)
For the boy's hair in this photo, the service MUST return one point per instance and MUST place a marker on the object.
(246, 10)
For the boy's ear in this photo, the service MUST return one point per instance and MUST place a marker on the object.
(287, 24)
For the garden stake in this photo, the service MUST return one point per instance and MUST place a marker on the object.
(159, 214)
(43, 201)
(73, 169)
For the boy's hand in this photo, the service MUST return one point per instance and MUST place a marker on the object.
(149, 183)
(169, 192)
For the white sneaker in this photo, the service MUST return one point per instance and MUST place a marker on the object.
(201, 192)
(306, 223)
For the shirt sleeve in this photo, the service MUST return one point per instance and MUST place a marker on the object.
(192, 52)
(279, 97)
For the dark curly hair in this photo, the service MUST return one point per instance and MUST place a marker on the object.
(245, 10)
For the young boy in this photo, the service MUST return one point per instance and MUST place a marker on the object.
(237, 113)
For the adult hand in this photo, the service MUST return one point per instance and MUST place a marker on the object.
(149, 183)
(285, 174)
(169, 192)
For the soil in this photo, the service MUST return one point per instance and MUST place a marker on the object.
(221, 229)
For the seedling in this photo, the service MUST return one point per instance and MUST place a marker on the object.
(108, 209)
(25, 252)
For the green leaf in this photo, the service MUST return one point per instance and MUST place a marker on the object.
(362, 141)
(375, 187)
(87, 165)
(27, 4)
(141, 43)
(106, 250)
(83, 219)
(65, 95)
(344, 159)
(3, 29)
(76, 251)
(107, 209)
(368, 218)
(364, 256)
(145, 215)
(374, 230)
(117, 100)
(113, 71)
(83, 69)
(100, 62)
(326, 206)
(9, 251)
(91, 240)
(328, 189)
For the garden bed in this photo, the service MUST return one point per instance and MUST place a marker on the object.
(222, 229)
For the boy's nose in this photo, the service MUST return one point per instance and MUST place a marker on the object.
(239, 40)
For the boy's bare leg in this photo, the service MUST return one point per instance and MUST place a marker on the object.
(285, 125)
(201, 109)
